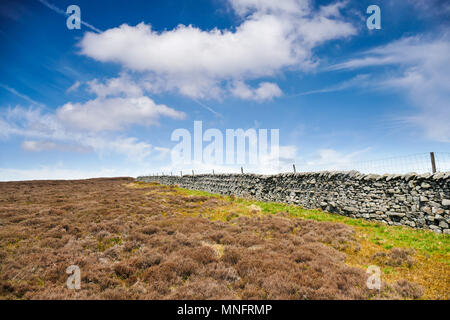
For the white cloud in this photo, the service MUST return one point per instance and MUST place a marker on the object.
(361, 80)
(114, 113)
(245, 7)
(131, 147)
(91, 125)
(421, 71)
(265, 91)
(74, 87)
(37, 146)
(122, 85)
(52, 134)
(438, 10)
(273, 35)
(331, 159)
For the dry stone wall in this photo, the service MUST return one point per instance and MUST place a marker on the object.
(419, 201)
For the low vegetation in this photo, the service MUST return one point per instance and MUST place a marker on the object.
(148, 241)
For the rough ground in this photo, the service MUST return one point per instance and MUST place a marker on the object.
(148, 241)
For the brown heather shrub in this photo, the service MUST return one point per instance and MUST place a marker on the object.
(218, 271)
(408, 289)
(395, 257)
(118, 293)
(203, 289)
(124, 270)
(202, 255)
(56, 212)
(112, 253)
(252, 292)
(163, 275)
(231, 255)
(195, 198)
(133, 243)
(149, 230)
(216, 236)
(301, 255)
(212, 203)
(184, 267)
(146, 260)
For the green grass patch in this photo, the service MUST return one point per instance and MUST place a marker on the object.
(105, 244)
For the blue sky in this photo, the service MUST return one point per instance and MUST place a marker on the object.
(104, 100)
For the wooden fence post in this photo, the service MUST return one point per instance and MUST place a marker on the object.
(433, 162)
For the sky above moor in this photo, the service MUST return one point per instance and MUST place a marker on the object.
(105, 99)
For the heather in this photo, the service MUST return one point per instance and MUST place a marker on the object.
(149, 241)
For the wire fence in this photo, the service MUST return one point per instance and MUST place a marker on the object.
(418, 163)
(443, 161)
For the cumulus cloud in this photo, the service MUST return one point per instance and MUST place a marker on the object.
(272, 36)
(265, 91)
(94, 125)
(119, 102)
(421, 71)
(122, 85)
(114, 113)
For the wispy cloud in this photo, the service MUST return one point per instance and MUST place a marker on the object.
(418, 67)
(74, 87)
(330, 159)
(205, 106)
(20, 95)
(38, 146)
(360, 80)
